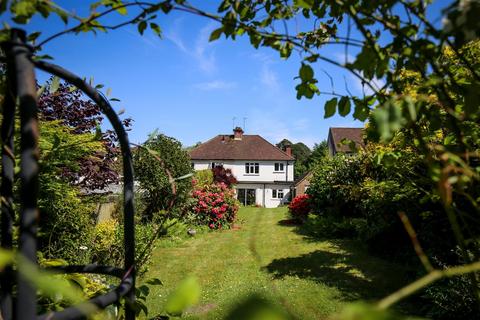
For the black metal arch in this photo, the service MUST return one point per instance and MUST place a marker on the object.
(21, 85)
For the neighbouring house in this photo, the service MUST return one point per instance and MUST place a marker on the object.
(301, 185)
(336, 135)
(263, 171)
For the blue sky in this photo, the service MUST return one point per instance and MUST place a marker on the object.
(191, 89)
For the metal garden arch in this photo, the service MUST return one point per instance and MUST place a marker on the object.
(21, 86)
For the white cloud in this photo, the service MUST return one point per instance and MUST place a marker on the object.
(215, 85)
(269, 78)
(202, 51)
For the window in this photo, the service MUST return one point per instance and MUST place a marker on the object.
(251, 168)
(278, 167)
(277, 194)
(216, 164)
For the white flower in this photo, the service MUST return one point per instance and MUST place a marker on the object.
(83, 248)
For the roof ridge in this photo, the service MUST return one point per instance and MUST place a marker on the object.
(276, 147)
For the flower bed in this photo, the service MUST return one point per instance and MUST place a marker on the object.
(215, 205)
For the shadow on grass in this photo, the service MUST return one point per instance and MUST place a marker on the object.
(289, 222)
(344, 266)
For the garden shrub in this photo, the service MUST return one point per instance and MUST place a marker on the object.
(159, 157)
(215, 205)
(331, 226)
(203, 178)
(334, 185)
(300, 207)
(66, 222)
(106, 246)
(361, 195)
(222, 175)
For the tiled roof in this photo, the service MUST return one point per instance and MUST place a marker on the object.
(250, 147)
(353, 134)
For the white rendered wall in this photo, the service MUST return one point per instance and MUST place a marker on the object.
(266, 172)
(269, 201)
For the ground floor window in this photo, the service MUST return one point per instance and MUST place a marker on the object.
(277, 194)
(247, 197)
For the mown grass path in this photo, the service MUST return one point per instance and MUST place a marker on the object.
(311, 278)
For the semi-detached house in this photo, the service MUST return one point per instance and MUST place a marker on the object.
(264, 172)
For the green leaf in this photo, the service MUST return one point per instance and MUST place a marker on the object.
(6, 257)
(156, 28)
(55, 84)
(361, 111)
(122, 10)
(306, 72)
(186, 295)
(141, 27)
(306, 4)
(33, 36)
(344, 106)
(155, 282)
(257, 307)
(216, 34)
(330, 108)
(472, 99)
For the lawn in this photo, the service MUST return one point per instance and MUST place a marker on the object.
(311, 278)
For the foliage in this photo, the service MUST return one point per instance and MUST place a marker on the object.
(157, 164)
(301, 153)
(203, 178)
(215, 205)
(106, 248)
(63, 104)
(185, 295)
(391, 39)
(85, 285)
(329, 226)
(66, 220)
(319, 151)
(299, 208)
(359, 197)
(222, 175)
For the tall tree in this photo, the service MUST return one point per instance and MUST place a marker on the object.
(158, 164)
(301, 153)
(62, 103)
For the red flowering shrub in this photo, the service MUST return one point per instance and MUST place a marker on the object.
(215, 205)
(300, 206)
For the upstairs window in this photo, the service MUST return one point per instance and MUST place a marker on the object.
(279, 167)
(216, 164)
(252, 167)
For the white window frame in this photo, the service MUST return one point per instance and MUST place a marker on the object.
(252, 168)
(278, 167)
(216, 164)
(277, 194)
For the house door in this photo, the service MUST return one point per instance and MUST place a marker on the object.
(246, 197)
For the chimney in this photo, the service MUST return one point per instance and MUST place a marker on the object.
(237, 133)
(288, 149)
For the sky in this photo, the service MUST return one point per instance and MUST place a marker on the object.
(192, 89)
